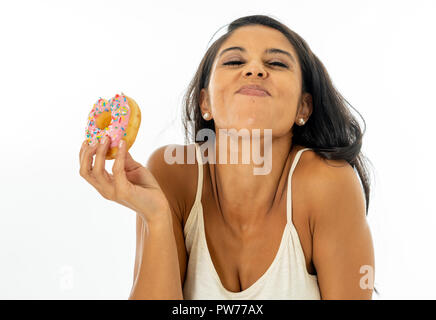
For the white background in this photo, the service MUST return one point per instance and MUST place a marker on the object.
(59, 239)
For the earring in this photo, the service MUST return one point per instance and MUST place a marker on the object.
(301, 121)
(206, 115)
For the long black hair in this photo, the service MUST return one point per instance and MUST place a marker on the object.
(331, 130)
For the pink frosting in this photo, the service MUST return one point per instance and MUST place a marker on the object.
(120, 115)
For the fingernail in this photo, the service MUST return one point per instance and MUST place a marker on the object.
(103, 140)
(121, 143)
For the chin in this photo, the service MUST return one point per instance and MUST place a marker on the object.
(251, 124)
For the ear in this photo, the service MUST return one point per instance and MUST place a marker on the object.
(306, 107)
(204, 101)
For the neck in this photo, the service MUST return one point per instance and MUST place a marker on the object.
(245, 199)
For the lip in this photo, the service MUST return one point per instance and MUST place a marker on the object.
(253, 90)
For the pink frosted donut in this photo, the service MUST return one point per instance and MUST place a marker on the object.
(119, 118)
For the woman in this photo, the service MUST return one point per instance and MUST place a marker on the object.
(217, 231)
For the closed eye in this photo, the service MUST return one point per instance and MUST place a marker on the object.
(271, 63)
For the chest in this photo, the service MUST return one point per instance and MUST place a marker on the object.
(241, 259)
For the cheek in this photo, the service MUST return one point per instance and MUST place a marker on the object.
(220, 95)
(286, 106)
(218, 102)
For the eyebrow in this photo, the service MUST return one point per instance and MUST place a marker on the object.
(270, 50)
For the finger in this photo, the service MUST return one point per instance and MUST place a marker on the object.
(82, 148)
(130, 163)
(100, 160)
(86, 164)
(118, 169)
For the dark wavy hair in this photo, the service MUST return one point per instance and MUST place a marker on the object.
(331, 130)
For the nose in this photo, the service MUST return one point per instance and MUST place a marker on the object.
(254, 69)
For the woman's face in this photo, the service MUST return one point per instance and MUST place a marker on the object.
(254, 63)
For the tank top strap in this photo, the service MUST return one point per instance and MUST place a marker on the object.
(289, 190)
(196, 210)
(200, 173)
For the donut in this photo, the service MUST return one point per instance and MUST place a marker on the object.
(119, 118)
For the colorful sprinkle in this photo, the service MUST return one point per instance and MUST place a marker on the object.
(120, 114)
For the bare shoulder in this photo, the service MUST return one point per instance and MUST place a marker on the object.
(318, 168)
(336, 208)
(329, 184)
(175, 168)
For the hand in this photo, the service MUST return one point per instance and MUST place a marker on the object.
(131, 184)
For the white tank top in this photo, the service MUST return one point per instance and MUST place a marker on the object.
(286, 277)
